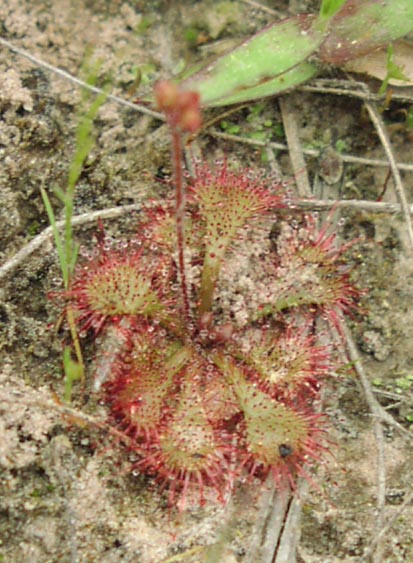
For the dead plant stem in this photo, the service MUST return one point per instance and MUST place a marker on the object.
(308, 152)
(294, 146)
(398, 184)
(47, 235)
(386, 527)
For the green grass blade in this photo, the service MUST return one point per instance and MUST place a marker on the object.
(57, 237)
(330, 7)
(73, 372)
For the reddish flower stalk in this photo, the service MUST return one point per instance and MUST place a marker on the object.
(183, 115)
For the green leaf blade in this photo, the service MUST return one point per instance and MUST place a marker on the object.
(261, 66)
(361, 26)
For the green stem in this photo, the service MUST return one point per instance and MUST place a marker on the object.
(209, 278)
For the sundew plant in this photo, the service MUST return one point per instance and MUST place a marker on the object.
(212, 362)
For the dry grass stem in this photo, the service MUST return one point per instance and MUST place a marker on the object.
(398, 184)
(380, 416)
(375, 407)
(386, 527)
(47, 235)
(309, 152)
(353, 89)
(362, 205)
(288, 113)
(259, 6)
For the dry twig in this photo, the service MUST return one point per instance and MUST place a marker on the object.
(309, 152)
(46, 235)
(380, 415)
(294, 146)
(353, 89)
(375, 407)
(361, 205)
(259, 6)
(386, 527)
(398, 184)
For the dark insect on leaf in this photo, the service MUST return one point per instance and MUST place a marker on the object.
(285, 450)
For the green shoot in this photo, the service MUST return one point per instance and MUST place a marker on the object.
(73, 372)
(66, 247)
(56, 235)
(394, 71)
(329, 8)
